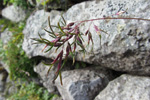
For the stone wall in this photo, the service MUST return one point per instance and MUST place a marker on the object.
(124, 51)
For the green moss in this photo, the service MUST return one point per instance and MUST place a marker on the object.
(14, 27)
(20, 65)
(31, 92)
(22, 3)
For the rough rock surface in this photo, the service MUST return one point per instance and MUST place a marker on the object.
(2, 98)
(35, 24)
(126, 87)
(83, 84)
(13, 13)
(126, 48)
(6, 36)
(46, 79)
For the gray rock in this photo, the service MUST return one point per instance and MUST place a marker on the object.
(2, 86)
(47, 78)
(2, 98)
(35, 24)
(42, 70)
(6, 36)
(83, 84)
(5, 66)
(126, 87)
(127, 46)
(13, 13)
(12, 89)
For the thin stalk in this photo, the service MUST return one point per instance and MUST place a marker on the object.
(80, 22)
(115, 18)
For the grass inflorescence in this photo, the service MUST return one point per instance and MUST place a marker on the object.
(72, 31)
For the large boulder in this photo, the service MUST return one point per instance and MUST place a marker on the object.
(83, 84)
(126, 48)
(126, 87)
(14, 13)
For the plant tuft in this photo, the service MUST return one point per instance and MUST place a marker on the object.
(71, 31)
